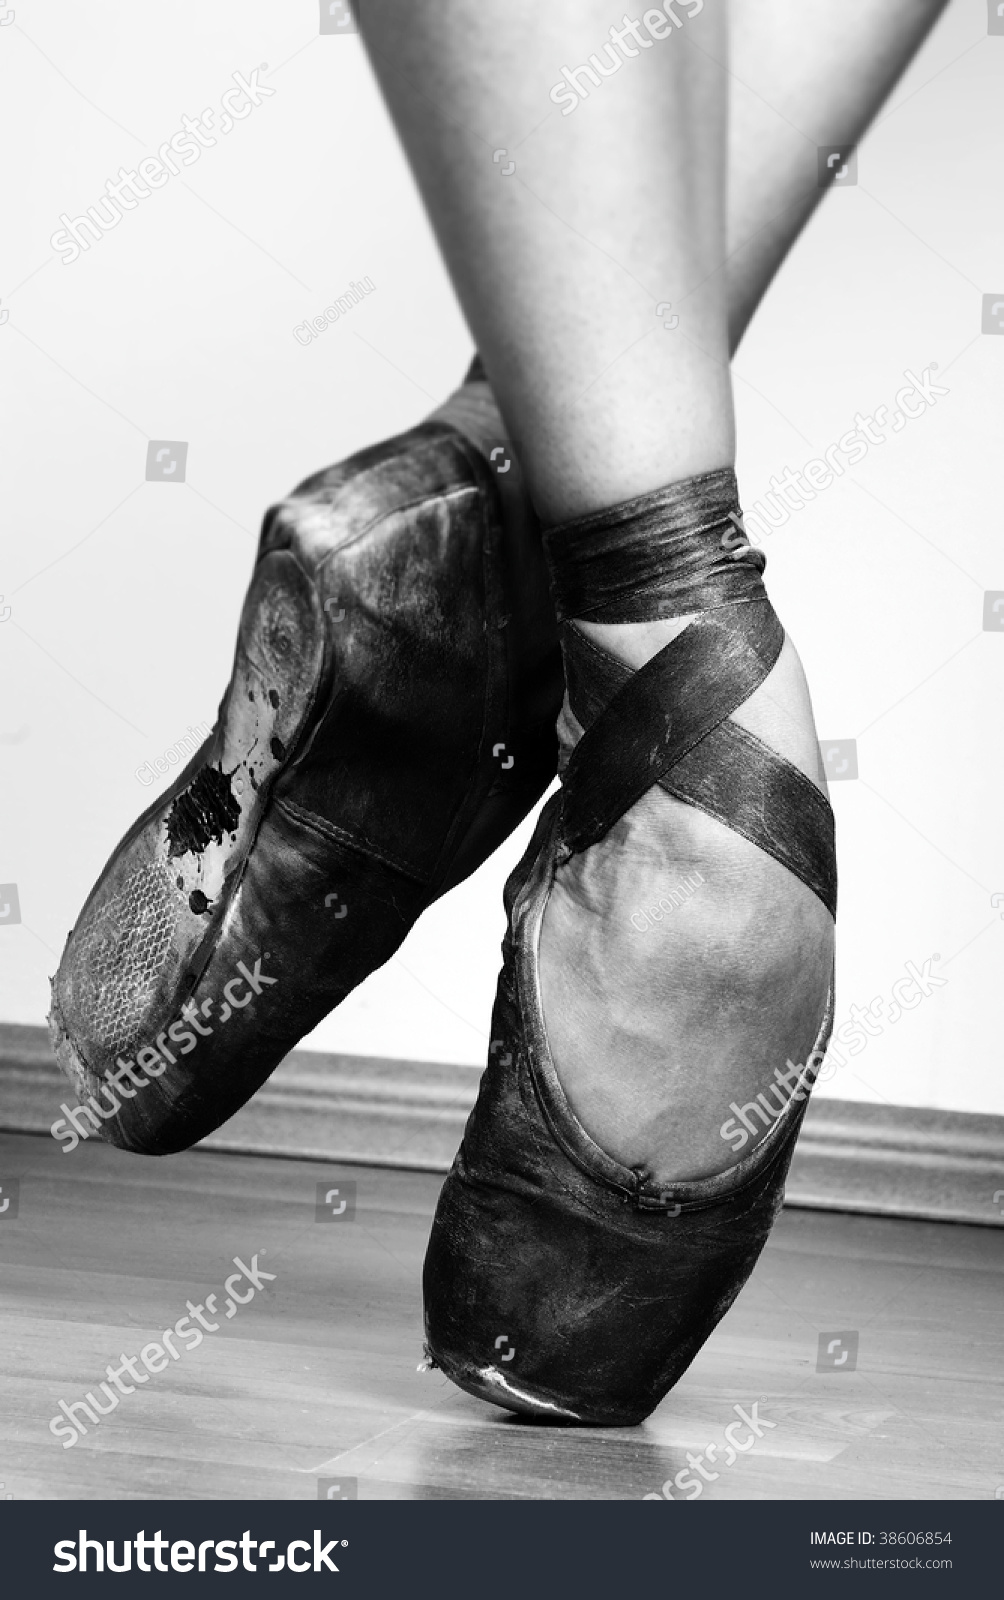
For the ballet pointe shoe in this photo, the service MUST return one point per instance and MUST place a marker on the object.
(562, 1281)
(388, 722)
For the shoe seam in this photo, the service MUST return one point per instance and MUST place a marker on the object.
(464, 817)
(396, 511)
(495, 698)
(587, 1200)
(360, 845)
(317, 498)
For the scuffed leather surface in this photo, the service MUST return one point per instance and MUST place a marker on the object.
(391, 792)
(605, 1291)
(679, 549)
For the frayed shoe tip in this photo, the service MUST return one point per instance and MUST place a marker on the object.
(67, 1058)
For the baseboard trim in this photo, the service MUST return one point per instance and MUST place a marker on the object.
(900, 1161)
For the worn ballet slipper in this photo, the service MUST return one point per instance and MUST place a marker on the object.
(388, 722)
(562, 1281)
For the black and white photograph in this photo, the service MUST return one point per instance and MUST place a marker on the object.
(501, 864)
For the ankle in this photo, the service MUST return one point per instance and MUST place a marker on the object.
(779, 712)
(634, 643)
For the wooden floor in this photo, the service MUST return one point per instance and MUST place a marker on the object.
(314, 1382)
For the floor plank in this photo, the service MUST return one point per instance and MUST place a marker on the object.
(313, 1383)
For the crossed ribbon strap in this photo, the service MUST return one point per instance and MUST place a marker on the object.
(669, 724)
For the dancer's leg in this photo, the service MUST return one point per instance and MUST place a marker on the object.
(803, 73)
(556, 265)
(557, 271)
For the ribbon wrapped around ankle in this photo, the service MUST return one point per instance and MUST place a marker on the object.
(680, 549)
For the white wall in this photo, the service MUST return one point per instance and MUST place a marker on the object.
(124, 594)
